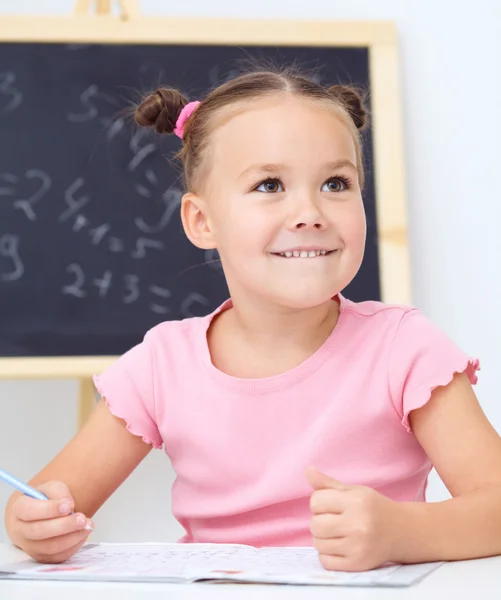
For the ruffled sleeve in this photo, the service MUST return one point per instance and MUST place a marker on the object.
(423, 358)
(127, 387)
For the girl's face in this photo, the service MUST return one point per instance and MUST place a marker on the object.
(282, 203)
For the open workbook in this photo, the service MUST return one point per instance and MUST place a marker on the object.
(189, 563)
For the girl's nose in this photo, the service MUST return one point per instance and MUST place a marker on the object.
(307, 215)
(306, 225)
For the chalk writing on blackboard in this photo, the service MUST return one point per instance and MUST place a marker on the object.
(92, 249)
(88, 98)
(74, 204)
(9, 250)
(193, 298)
(10, 96)
(131, 284)
(38, 184)
(130, 290)
(171, 200)
(27, 204)
(75, 288)
(144, 191)
(139, 151)
(142, 244)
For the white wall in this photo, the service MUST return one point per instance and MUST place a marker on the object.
(450, 53)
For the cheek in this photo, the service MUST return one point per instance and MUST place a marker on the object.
(245, 229)
(355, 227)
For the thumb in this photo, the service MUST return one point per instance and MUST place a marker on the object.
(60, 503)
(55, 490)
(321, 481)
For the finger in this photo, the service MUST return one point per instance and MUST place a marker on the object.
(59, 549)
(335, 563)
(51, 528)
(327, 525)
(319, 480)
(328, 501)
(30, 509)
(331, 547)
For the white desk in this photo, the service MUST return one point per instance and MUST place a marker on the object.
(474, 579)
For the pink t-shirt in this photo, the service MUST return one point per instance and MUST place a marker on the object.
(240, 447)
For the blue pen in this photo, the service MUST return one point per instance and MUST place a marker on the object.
(21, 487)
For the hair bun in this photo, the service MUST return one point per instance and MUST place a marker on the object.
(353, 100)
(160, 110)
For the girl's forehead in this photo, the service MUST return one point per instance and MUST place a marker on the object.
(276, 130)
(280, 109)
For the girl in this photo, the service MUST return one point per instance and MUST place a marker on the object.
(291, 415)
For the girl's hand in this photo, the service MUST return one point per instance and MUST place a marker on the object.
(354, 527)
(45, 529)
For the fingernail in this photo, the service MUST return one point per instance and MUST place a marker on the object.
(64, 508)
(89, 526)
(81, 521)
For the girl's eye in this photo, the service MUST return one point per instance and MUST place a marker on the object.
(336, 184)
(270, 186)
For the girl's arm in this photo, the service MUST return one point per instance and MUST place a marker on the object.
(465, 449)
(95, 462)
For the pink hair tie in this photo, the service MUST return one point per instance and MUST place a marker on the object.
(184, 115)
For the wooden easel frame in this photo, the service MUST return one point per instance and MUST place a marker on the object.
(130, 27)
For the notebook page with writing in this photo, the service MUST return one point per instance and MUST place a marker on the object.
(187, 563)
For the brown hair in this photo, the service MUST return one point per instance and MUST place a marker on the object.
(161, 109)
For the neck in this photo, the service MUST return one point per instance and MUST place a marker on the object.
(269, 326)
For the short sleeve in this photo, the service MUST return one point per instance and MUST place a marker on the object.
(423, 358)
(127, 387)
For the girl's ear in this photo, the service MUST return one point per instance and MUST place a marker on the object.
(195, 222)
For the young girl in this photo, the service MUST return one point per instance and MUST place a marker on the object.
(291, 415)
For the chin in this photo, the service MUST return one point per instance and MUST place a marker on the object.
(304, 299)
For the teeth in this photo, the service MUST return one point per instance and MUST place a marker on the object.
(303, 253)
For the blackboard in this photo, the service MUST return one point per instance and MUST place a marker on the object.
(92, 251)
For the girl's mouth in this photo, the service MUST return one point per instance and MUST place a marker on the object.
(303, 253)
